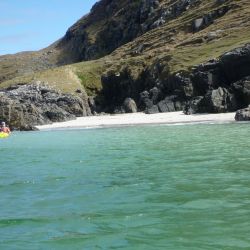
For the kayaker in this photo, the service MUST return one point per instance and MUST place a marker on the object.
(4, 128)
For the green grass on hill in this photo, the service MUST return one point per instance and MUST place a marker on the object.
(184, 58)
(68, 79)
(89, 73)
(174, 43)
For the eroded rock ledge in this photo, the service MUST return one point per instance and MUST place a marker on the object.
(24, 106)
(219, 85)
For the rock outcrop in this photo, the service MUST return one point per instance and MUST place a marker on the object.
(220, 85)
(130, 106)
(243, 114)
(215, 101)
(242, 90)
(209, 18)
(124, 21)
(25, 106)
(224, 83)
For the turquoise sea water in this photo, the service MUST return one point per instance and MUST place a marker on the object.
(151, 187)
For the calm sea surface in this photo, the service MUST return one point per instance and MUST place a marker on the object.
(151, 187)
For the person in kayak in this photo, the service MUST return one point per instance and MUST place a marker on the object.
(4, 128)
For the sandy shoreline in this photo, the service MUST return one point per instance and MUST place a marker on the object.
(139, 119)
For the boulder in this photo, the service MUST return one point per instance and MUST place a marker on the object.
(179, 105)
(207, 76)
(153, 110)
(167, 105)
(243, 114)
(198, 24)
(212, 35)
(129, 105)
(215, 101)
(218, 101)
(207, 19)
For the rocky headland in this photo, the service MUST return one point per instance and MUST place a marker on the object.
(38, 104)
(135, 56)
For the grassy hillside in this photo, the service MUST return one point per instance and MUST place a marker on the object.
(175, 42)
(68, 79)
(182, 48)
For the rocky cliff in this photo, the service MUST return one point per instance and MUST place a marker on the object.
(218, 85)
(27, 105)
(144, 55)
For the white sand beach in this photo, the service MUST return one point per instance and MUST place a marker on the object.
(139, 119)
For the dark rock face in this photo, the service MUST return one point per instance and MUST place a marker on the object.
(243, 114)
(180, 84)
(215, 101)
(159, 95)
(235, 64)
(117, 87)
(198, 24)
(166, 106)
(124, 21)
(193, 106)
(171, 12)
(206, 20)
(242, 90)
(223, 83)
(219, 101)
(152, 110)
(170, 104)
(206, 77)
(25, 106)
(220, 85)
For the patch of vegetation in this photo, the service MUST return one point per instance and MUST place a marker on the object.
(177, 41)
(185, 57)
(89, 74)
(68, 79)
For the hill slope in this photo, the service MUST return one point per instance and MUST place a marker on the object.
(152, 51)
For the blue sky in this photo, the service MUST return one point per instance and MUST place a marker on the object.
(35, 24)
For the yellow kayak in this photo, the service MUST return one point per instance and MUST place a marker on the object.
(3, 135)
